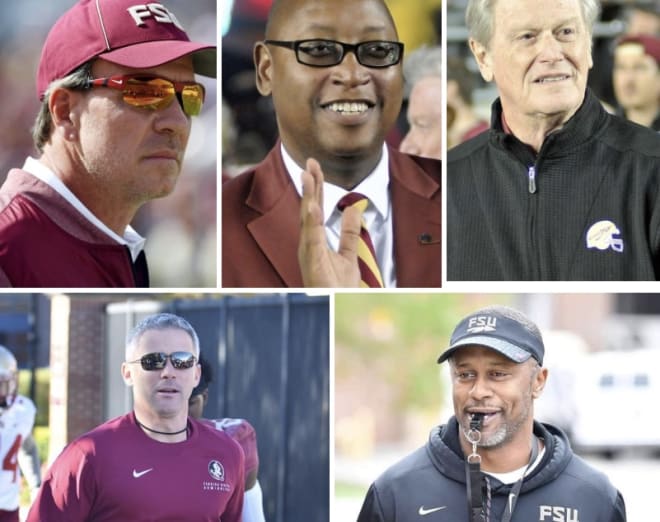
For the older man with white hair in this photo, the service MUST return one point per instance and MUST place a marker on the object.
(557, 189)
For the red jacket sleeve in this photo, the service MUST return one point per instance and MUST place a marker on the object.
(68, 491)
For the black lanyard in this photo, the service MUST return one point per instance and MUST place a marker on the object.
(473, 476)
(474, 490)
(474, 482)
(515, 490)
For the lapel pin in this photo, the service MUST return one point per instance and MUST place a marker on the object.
(427, 239)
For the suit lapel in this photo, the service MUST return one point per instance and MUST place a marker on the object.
(417, 211)
(277, 229)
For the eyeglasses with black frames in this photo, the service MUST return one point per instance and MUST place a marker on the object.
(152, 92)
(319, 52)
(157, 360)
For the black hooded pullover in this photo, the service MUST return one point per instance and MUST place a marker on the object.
(429, 486)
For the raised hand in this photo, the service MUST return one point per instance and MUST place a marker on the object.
(321, 266)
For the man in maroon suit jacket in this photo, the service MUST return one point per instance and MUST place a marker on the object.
(337, 88)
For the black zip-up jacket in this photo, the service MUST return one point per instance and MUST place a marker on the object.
(587, 207)
(429, 486)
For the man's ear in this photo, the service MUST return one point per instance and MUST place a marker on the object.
(198, 374)
(263, 65)
(63, 105)
(126, 374)
(482, 56)
(539, 382)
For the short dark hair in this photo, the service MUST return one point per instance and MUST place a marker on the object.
(205, 379)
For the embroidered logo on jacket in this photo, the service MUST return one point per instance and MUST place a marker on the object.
(216, 470)
(558, 514)
(601, 235)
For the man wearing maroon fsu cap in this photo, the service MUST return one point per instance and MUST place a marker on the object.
(155, 463)
(636, 79)
(117, 89)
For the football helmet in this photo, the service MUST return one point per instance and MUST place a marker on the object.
(603, 235)
(8, 378)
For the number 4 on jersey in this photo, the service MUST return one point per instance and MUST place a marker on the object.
(10, 462)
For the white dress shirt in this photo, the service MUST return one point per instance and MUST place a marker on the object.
(131, 238)
(377, 216)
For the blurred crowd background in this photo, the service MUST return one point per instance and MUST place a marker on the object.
(180, 229)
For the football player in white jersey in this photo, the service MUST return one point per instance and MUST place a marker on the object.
(242, 432)
(17, 447)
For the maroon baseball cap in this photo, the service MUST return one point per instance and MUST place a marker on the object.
(125, 32)
(650, 43)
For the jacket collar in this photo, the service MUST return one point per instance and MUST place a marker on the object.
(445, 452)
(275, 200)
(26, 185)
(589, 121)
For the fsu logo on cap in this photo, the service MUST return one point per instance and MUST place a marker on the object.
(216, 470)
(482, 323)
(601, 236)
(158, 12)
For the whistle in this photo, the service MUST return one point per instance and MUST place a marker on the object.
(476, 420)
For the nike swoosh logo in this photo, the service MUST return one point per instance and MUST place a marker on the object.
(423, 511)
(138, 474)
(119, 82)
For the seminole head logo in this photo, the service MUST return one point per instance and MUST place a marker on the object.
(216, 470)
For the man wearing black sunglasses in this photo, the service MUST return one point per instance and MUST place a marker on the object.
(154, 463)
(333, 69)
(117, 89)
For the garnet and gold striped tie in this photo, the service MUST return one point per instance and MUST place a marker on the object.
(369, 272)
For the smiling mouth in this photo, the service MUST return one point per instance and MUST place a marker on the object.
(348, 108)
(168, 391)
(552, 79)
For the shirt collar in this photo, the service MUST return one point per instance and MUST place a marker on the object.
(375, 186)
(131, 238)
